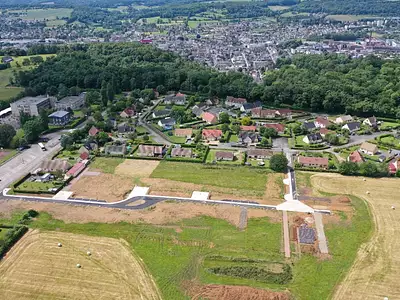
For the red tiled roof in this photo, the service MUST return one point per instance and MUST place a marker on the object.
(84, 155)
(212, 133)
(323, 121)
(283, 111)
(129, 111)
(322, 161)
(325, 131)
(278, 127)
(209, 117)
(76, 169)
(356, 157)
(248, 128)
(93, 131)
(236, 100)
(394, 166)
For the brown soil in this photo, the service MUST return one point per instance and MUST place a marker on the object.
(106, 187)
(163, 213)
(230, 292)
(273, 190)
(136, 168)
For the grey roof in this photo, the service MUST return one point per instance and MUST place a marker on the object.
(163, 112)
(168, 121)
(314, 137)
(59, 114)
(115, 149)
(249, 134)
(309, 125)
(70, 99)
(31, 100)
(197, 111)
(353, 125)
(306, 235)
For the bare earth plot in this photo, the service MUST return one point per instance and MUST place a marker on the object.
(36, 268)
(375, 273)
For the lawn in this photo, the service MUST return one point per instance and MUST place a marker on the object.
(175, 139)
(106, 165)
(254, 162)
(8, 155)
(55, 23)
(350, 18)
(299, 141)
(278, 7)
(28, 186)
(237, 177)
(72, 156)
(345, 152)
(233, 138)
(390, 140)
(211, 157)
(291, 14)
(389, 125)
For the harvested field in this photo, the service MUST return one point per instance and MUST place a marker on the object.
(230, 292)
(36, 268)
(274, 189)
(102, 187)
(136, 168)
(376, 270)
(164, 213)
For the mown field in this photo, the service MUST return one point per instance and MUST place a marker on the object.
(44, 14)
(350, 18)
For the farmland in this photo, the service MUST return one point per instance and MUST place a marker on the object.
(375, 272)
(43, 14)
(350, 18)
(36, 267)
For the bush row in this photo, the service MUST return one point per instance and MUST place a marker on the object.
(11, 238)
(256, 273)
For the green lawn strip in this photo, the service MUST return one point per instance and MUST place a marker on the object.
(38, 186)
(9, 155)
(237, 177)
(140, 130)
(175, 139)
(388, 125)
(316, 279)
(106, 165)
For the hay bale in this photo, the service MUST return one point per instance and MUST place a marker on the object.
(59, 245)
(78, 266)
(88, 253)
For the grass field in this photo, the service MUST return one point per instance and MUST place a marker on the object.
(40, 14)
(278, 7)
(237, 160)
(389, 125)
(350, 18)
(374, 274)
(238, 177)
(106, 165)
(37, 268)
(390, 140)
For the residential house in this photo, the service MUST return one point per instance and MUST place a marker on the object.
(93, 131)
(128, 112)
(248, 107)
(248, 137)
(59, 118)
(181, 152)
(314, 138)
(76, 169)
(309, 126)
(352, 126)
(7, 59)
(125, 128)
(284, 113)
(248, 128)
(71, 102)
(115, 149)
(211, 134)
(355, 157)
(394, 166)
(263, 113)
(55, 165)
(313, 162)
(167, 123)
(224, 155)
(235, 102)
(44, 178)
(199, 109)
(343, 119)
(150, 151)
(279, 128)
(178, 99)
(322, 122)
(84, 156)
(325, 131)
(209, 118)
(31, 106)
(184, 132)
(371, 121)
(368, 148)
(83, 149)
(161, 113)
(259, 153)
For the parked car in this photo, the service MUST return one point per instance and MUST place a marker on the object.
(23, 148)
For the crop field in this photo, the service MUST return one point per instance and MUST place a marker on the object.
(37, 268)
(350, 18)
(376, 270)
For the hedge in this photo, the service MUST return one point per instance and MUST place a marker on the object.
(11, 238)
(316, 170)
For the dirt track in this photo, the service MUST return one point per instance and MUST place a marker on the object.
(36, 268)
(375, 273)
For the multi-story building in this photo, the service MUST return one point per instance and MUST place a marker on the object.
(72, 102)
(31, 105)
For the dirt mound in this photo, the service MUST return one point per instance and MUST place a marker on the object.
(230, 292)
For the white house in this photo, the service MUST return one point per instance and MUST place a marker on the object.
(343, 119)
(314, 138)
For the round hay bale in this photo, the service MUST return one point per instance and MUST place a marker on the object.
(364, 179)
(368, 192)
(59, 245)
(88, 253)
(78, 266)
(393, 207)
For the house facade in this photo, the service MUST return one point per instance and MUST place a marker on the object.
(259, 153)
(211, 134)
(314, 138)
(313, 162)
(31, 106)
(59, 118)
(224, 156)
(71, 102)
(368, 148)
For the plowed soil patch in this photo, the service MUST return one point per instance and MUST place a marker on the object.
(136, 168)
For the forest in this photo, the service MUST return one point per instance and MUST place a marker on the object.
(321, 83)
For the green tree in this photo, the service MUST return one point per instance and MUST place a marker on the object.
(278, 163)
(348, 168)
(146, 138)
(265, 142)
(7, 132)
(398, 173)
(224, 127)
(103, 92)
(332, 139)
(235, 128)
(92, 97)
(110, 92)
(246, 121)
(268, 132)
(32, 130)
(369, 169)
(66, 140)
(224, 118)
(102, 138)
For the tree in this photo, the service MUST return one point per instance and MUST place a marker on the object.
(103, 92)
(102, 138)
(369, 169)
(398, 173)
(348, 168)
(110, 92)
(32, 130)
(66, 140)
(246, 121)
(278, 163)
(98, 116)
(224, 118)
(7, 132)
(332, 139)
(224, 127)
(268, 132)
(161, 89)
(146, 138)
(235, 128)
(264, 142)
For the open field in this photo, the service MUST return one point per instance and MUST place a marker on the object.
(136, 168)
(41, 14)
(350, 18)
(106, 165)
(278, 7)
(375, 272)
(37, 268)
